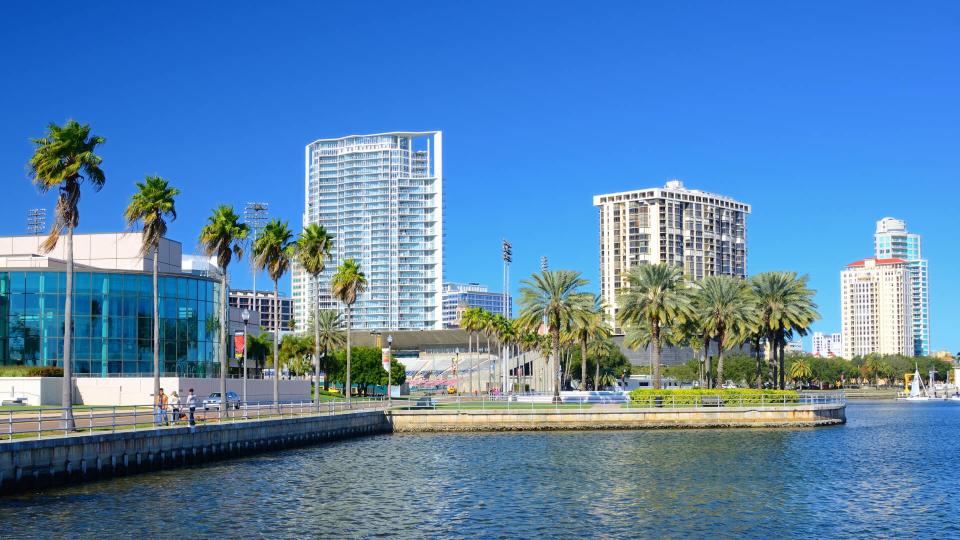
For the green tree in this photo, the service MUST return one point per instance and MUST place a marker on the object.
(474, 321)
(328, 337)
(313, 251)
(800, 371)
(724, 306)
(272, 251)
(64, 159)
(553, 298)
(588, 327)
(784, 304)
(655, 298)
(295, 354)
(152, 205)
(348, 283)
(222, 237)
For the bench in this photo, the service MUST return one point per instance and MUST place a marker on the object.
(425, 403)
(711, 401)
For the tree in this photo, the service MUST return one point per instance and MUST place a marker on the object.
(588, 327)
(553, 298)
(152, 205)
(295, 353)
(724, 306)
(784, 304)
(654, 298)
(800, 371)
(222, 237)
(367, 369)
(348, 283)
(313, 252)
(63, 160)
(474, 320)
(327, 338)
(272, 251)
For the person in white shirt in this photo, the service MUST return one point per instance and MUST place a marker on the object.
(191, 406)
(175, 406)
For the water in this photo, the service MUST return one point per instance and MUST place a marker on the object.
(892, 470)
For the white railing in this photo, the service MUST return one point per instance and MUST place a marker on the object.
(38, 422)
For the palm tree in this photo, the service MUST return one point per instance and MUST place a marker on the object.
(313, 251)
(587, 327)
(222, 237)
(784, 304)
(553, 297)
(328, 336)
(800, 370)
(473, 321)
(151, 205)
(600, 349)
(348, 283)
(505, 334)
(655, 299)
(64, 159)
(273, 251)
(724, 306)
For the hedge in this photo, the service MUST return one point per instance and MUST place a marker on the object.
(31, 371)
(694, 396)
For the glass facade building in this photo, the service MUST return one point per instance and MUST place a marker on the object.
(893, 241)
(112, 322)
(459, 296)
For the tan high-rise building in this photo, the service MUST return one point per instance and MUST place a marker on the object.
(876, 308)
(705, 233)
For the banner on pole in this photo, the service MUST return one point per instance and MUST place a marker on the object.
(385, 358)
(238, 345)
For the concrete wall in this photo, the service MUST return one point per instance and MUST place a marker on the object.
(36, 390)
(32, 464)
(615, 418)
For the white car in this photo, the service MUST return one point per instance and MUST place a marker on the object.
(213, 401)
(729, 386)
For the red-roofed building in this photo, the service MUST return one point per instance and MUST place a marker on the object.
(875, 305)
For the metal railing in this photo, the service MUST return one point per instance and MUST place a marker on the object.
(720, 399)
(39, 422)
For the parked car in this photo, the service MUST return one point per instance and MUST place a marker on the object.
(213, 401)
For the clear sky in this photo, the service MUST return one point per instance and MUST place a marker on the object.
(825, 116)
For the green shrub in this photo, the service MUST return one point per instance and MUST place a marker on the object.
(731, 397)
(31, 371)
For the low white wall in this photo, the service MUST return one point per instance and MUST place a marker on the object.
(139, 390)
(36, 390)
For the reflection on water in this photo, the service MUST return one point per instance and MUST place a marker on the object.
(893, 469)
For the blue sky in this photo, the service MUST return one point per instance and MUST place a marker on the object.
(824, 116)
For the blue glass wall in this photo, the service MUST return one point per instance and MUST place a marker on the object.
(112, 323)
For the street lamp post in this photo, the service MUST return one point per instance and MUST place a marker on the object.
(245, 315)
(390, 370)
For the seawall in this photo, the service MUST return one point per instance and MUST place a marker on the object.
(441, 420)
(38, 463)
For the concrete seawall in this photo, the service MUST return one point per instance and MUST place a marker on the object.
(39, 463)
(615, 418)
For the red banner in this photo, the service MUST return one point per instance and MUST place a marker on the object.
(238, 346)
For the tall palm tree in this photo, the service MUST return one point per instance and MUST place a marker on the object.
(152, 205)
(601, 349)
(553, 297)
(725, 307)
(655, 298)
(348, 283)
(473, 321)
(505, 334)
(273, 251)
(587, 327)
(328, 336)
(63, 160)
(222, 237)
(313, 252)
(784, 304)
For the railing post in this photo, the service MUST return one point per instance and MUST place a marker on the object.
(40, 422)
(90, 415)
(11, 425)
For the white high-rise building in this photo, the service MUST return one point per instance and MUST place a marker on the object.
(704, 233)
(381, 197)
(827, 345)
(875, 308)
(893, 241)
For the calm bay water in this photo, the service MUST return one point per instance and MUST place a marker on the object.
(892, 470)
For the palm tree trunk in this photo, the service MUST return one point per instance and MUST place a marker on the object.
(276, 343)
(655, 358)
(346, 387)
(316, 355)
(489, 359)
(66, 394)
(596, 376)
(707, 368)
(583, 365)
(783, 343)
(224, 311)
(156, 323)
(720, 379)
(756, 354)
(555, 376)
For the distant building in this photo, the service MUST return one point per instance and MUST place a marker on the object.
(794, 346)
(457, 297)
(703, 233)
(264, 305)
(893, 241)
(875, 307)
(827, 345)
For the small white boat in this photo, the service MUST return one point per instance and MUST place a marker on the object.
(917, 392)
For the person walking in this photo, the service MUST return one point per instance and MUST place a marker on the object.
(175, 406)
(165, 404)
(191, 406)
(160, 410)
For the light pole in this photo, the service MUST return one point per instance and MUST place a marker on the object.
(245, 315)
(456, 378)
(389, 370)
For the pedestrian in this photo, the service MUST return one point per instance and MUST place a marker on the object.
(175, 406)
(159, 405)
(165, 404)
(191, 406)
